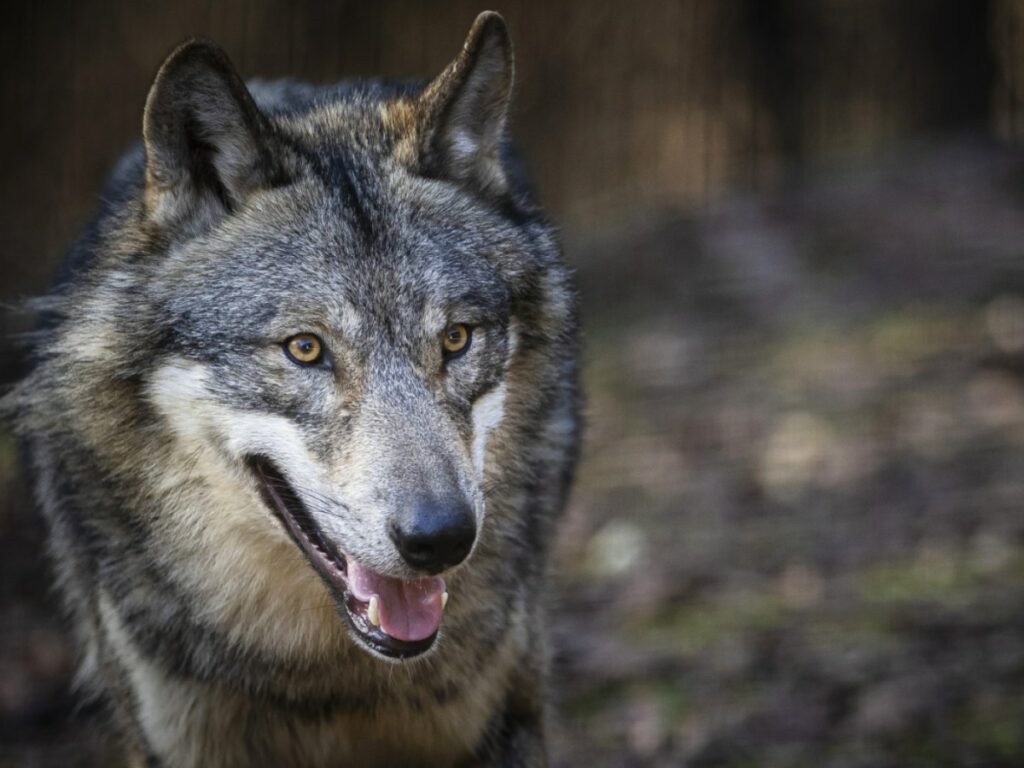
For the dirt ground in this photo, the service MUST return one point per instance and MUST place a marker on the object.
(797, 537)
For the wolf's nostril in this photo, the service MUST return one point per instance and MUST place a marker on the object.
(435, 536)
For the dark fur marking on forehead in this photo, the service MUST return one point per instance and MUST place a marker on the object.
(338, 170)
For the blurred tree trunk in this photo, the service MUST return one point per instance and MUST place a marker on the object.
(619, 108)
(1008, 90)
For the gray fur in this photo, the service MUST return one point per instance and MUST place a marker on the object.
(370, 214)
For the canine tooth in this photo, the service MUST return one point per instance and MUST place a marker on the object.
(374, 611)
(444, 600)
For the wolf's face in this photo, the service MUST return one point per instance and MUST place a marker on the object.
(334, 305)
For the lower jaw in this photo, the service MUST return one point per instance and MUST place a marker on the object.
(375, 639)
(331, 566)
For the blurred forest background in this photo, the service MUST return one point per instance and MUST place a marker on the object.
(797, 537)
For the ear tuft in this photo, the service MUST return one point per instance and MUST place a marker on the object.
(464, 110)
(208, 146)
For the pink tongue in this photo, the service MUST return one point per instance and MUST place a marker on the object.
(409, 610)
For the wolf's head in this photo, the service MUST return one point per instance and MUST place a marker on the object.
(335, 285)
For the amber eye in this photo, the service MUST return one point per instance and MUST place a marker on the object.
(455, 339)
(304, 349)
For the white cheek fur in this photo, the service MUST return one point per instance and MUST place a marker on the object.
(488, 411)
(179, 392)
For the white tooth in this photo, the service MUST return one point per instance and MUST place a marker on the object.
(374, 611)
(444, 600)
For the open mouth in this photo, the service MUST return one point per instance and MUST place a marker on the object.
(397, 618)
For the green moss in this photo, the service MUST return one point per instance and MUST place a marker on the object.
(671, 699)
(946, 578)
(891, 343)
(695, 627)
(995, 726)
(594, 702)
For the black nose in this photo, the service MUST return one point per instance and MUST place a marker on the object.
(435, 536)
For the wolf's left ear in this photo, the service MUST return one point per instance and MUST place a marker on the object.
(208, 146)
(464, 109)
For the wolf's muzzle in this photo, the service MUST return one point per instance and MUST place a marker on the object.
(436, 535)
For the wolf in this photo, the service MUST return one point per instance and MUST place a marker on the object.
(302, 415)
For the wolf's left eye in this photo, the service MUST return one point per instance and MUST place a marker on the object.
(455, 339)
(304, 349)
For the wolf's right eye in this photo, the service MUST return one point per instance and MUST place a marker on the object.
(304, 349)
(455, 339)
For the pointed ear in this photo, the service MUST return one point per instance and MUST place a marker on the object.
(464, 109)
(208, 146)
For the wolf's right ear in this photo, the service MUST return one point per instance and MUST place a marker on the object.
(208, 146)
(463, 111)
